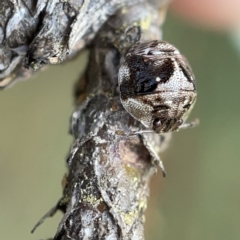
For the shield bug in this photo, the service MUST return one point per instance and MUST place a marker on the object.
(157, 86)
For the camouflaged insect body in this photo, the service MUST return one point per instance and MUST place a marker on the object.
(157, 86)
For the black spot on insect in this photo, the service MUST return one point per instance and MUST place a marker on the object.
(144, 74)
(186, 71)
(167, 50)
(145, 101)
(158, 99)
(159, 107)
(187, 106)
(164, 70)
(142, 79)
(127, 90)
(145, 84)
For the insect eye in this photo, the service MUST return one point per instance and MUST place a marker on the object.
(157, 122)
(187, 106)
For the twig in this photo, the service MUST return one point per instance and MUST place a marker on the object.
(36, 33)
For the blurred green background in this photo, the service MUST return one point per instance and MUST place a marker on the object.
(200, 197)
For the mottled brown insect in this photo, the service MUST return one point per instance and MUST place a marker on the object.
(157, 86)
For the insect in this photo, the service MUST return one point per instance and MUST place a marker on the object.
(157, 86)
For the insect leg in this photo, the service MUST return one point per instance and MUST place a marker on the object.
(59, 206)
(190, 124)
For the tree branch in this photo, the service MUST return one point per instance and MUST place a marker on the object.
(109, 166)
(36, 33)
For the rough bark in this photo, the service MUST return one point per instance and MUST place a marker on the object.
(35, 33)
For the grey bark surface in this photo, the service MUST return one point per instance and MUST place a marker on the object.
(107, 187)
(35, 33)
